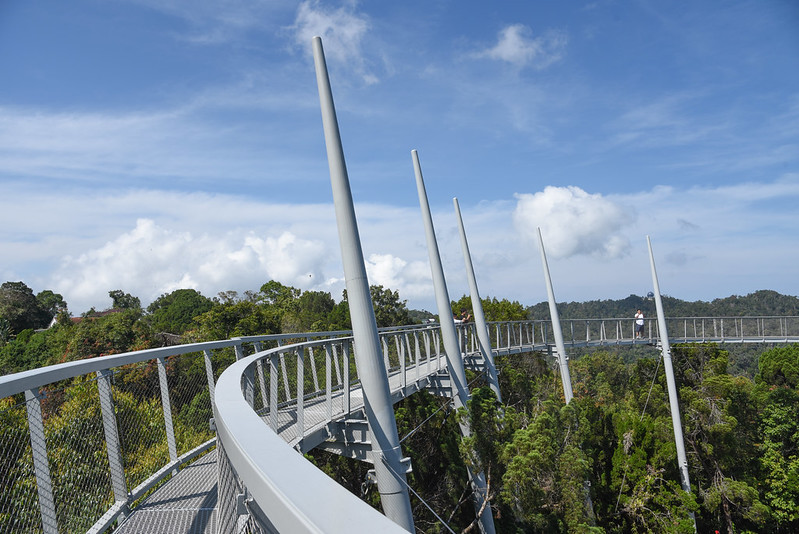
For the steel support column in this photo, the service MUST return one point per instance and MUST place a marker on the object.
(483, 336)
(674, 403)
(389, 468)
(450, 338)
(563, 359)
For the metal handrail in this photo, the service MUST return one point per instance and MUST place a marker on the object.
(417, 348)
(283, 486)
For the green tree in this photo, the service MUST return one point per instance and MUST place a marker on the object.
(720, 421)
(780, 366)
(35, 349)
(389, 309)
(109, 334)
(124, 301)
(53, 303)
(20, 309)
(780, 456)
(273, 293)
(243, 318)
(175, 312)
(493, 308)
(313, 310)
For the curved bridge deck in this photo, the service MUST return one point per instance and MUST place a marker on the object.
(181, 495)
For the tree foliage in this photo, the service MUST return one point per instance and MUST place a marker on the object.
(124, 301)
(605, 462)
(20, 309)
(175, 312)
(493, 308)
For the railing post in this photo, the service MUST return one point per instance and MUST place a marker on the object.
(259, 368)
(328, 382)
(312, 361)
(427, 352)
(286, 387)
(273, 391)
(249, 375)
(300, 392)
(401, 356)
(345, 368)
(112, 443)
(418, 354)
(386, 359)
(41, 466)
(165, 402)
(209, 372)
(336, 367)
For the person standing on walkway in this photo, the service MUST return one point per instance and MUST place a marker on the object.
(639, 324)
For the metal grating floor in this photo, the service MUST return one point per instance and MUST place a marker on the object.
(185, 504)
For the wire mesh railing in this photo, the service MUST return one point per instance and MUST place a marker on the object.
(107, 429)
(111, 429)
(506, 335)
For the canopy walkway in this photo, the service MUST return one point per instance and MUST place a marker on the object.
(205, 437)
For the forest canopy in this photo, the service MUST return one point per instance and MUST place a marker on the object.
(612, 446)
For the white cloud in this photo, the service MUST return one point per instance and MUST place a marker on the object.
(708, 242)
(342, 31)
(516, 45)
(411, 279)
(573, 222)
(150, 260)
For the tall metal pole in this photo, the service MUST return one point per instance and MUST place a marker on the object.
(390, 474)
(483, 335)
(563, 359)
(674, 403)
(450, 338)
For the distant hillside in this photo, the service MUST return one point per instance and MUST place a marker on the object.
(763, 302)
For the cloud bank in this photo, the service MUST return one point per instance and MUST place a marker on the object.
(574, 222)
(150, 260)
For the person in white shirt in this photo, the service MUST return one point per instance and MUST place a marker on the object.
(639, 324)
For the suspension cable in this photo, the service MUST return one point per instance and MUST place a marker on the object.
(402, 479)
(444, 405)
(412, 432)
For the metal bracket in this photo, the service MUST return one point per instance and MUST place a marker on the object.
(406, 464)
(349, 438)
(212, 424)
(440, 384)
(241, 504)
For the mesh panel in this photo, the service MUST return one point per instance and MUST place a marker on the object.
(19, 503)
(140, 418)
(190, 400)
(77, 454)
(228, 488)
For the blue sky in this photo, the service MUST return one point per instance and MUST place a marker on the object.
(149, 145)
